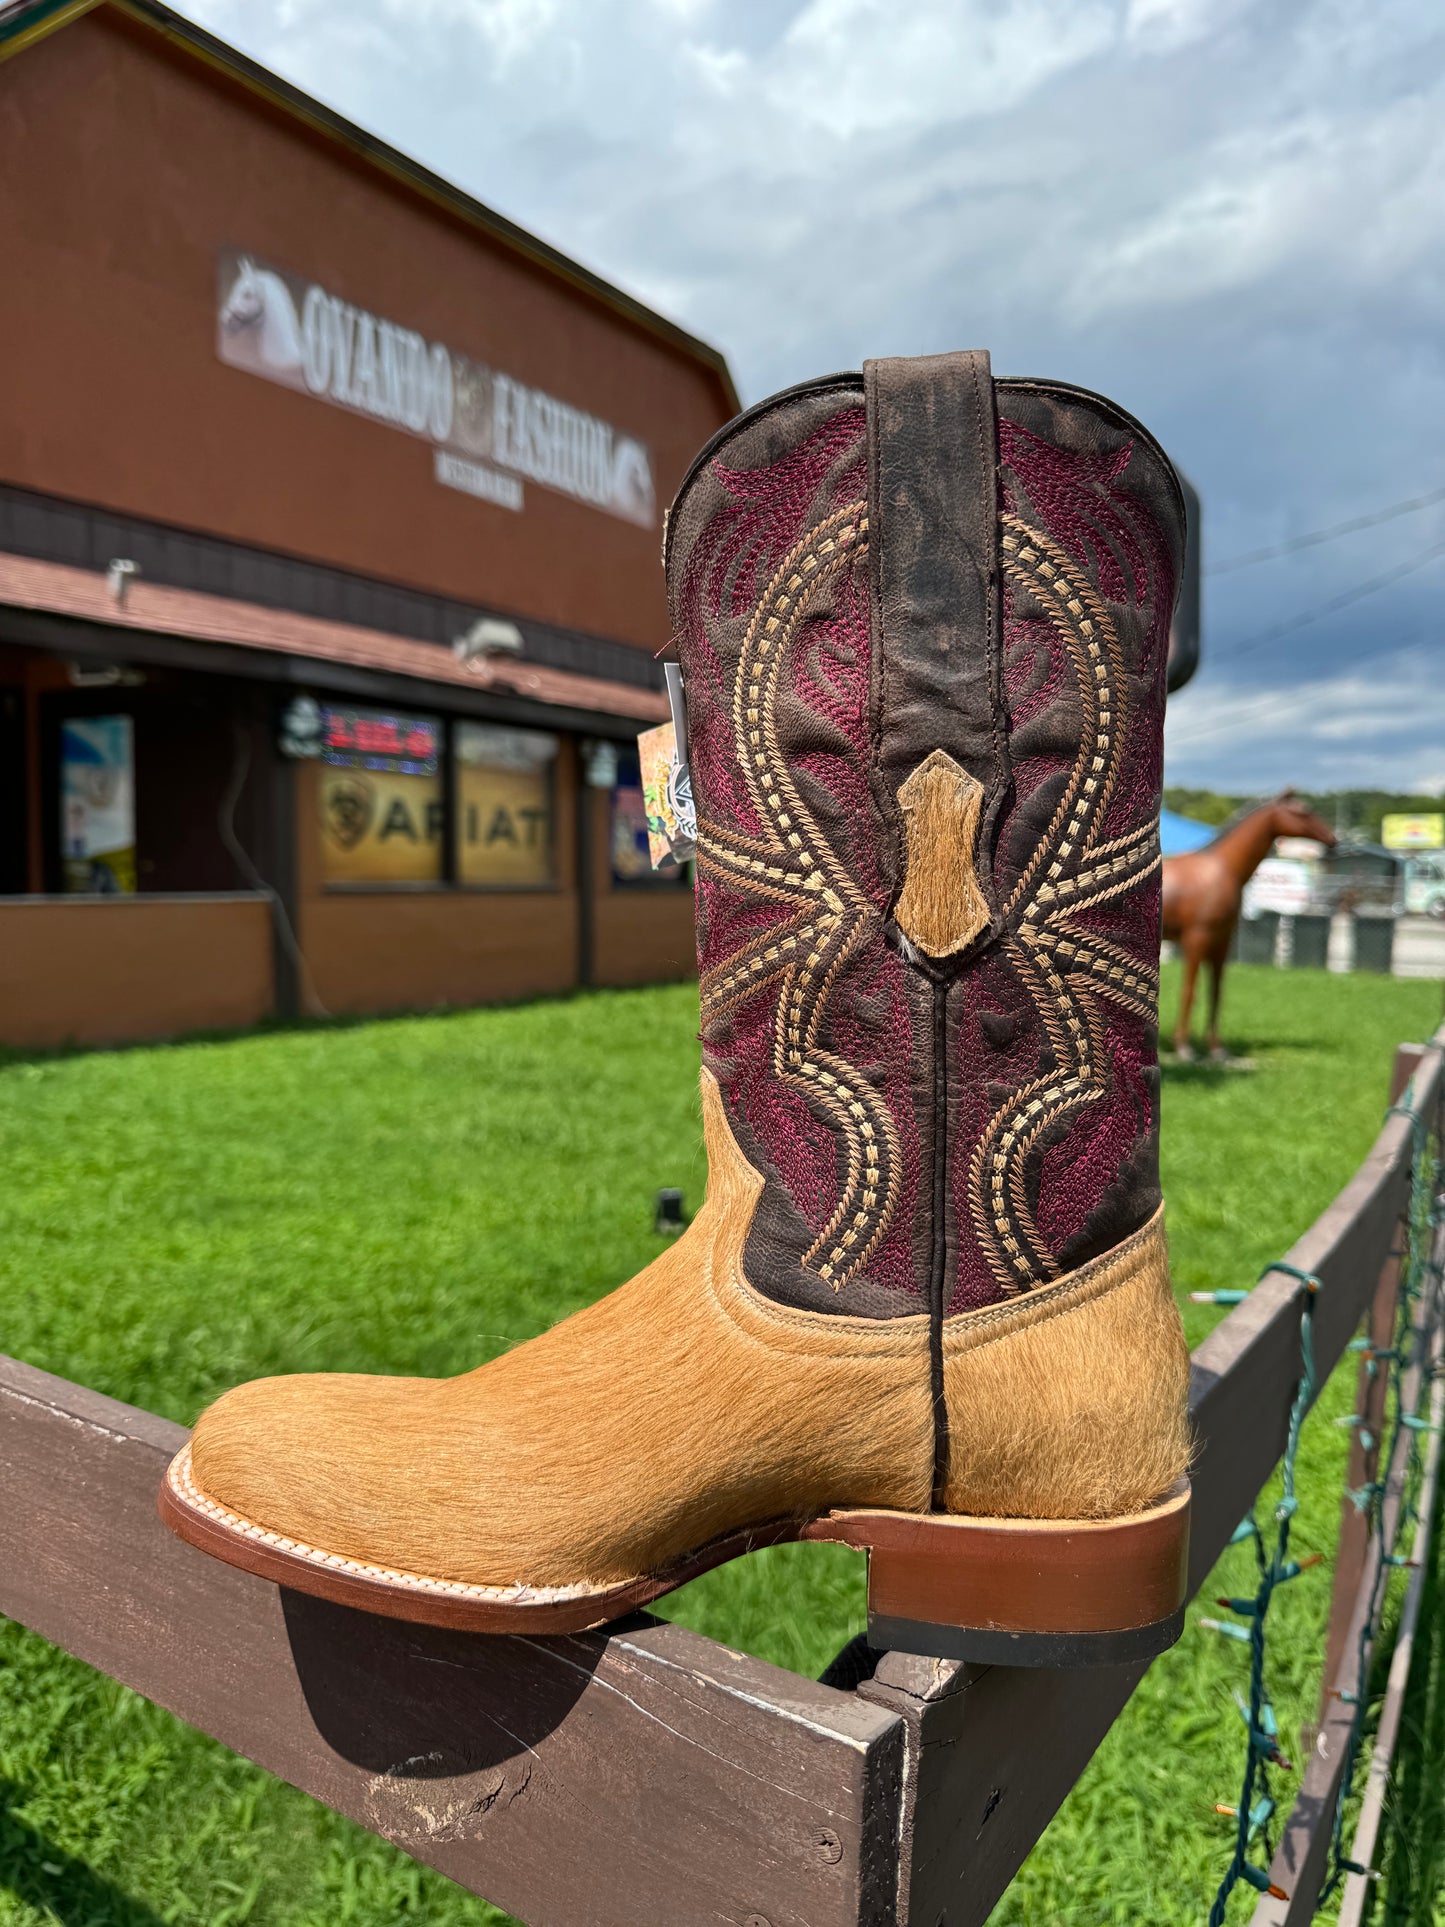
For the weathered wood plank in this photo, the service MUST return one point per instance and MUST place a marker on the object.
(649, 1776)
(991, 1754)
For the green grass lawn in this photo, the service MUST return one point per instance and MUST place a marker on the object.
(417, 1195)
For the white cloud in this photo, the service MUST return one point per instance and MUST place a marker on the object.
(1384, 727)
(866, 66)
(1224, 212)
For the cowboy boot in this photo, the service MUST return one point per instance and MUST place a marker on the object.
(923, 619)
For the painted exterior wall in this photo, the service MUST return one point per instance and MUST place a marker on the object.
(112, 970)
(130, 171)
(390, 949)
(639, 935)
(128, 168)
(378, 950)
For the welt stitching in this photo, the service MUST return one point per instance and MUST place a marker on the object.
(1074, 1296)
(1091, 1279)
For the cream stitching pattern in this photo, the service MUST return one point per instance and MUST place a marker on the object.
(181, 1481)
(1063, 967)
(971, 1331)
(793, 862)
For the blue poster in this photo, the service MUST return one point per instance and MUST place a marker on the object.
(97, 805)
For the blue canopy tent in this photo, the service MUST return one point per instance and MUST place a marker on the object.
(1178, 834)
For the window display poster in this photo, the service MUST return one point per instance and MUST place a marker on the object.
(381, 828)
(503, 805)
(1280, 883)
(631, 845)
(97, 805)
(381, 797)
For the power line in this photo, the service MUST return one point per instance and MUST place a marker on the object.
(1258, 709)
(1335, 602)
(1316, 536)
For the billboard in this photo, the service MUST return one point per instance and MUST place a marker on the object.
(1413, 832)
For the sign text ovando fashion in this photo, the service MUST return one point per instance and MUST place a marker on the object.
(488, 431)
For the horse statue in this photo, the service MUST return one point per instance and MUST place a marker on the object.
(1203, 892)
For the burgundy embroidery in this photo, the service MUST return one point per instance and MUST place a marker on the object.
(1058, 1104)
(804, 1009)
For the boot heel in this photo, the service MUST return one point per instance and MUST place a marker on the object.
(1023, 1592)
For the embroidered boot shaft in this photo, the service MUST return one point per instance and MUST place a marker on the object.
(923, 621)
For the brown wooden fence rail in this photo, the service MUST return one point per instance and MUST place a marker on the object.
(647, 1776)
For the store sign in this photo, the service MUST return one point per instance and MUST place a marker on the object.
(97, 805)
(376, 739)
(1413, 832)
(381, 796)
(489, 432)
(382, 828)
(504, 804)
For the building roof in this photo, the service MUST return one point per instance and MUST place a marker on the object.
(156, 610)
(1180, 834)
(22, 22)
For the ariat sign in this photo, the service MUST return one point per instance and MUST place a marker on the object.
(488, 430)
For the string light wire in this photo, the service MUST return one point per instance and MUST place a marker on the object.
(1420, 1279)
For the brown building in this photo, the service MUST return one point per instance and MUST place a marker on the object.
(330, 515)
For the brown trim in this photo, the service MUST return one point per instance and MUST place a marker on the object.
(65, 636)
(21, 26)
(172, 629)
(79, 535)
(442, 888)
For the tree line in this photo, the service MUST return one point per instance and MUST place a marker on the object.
(1356, 814)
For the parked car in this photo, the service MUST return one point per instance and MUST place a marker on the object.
(1425, 884)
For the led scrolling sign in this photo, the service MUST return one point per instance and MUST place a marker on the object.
(489, 432)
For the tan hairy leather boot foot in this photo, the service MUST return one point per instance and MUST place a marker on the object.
(923, 618)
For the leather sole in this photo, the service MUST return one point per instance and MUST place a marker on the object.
(1015, 1592)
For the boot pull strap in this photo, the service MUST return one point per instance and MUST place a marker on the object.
(941, 757)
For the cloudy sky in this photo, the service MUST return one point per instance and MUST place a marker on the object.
(1229, 215)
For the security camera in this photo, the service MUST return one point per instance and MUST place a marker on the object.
(488, 636)
(117, 577)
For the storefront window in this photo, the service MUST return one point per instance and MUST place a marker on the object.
(381, 797)
(97, 805)
(504, 804)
